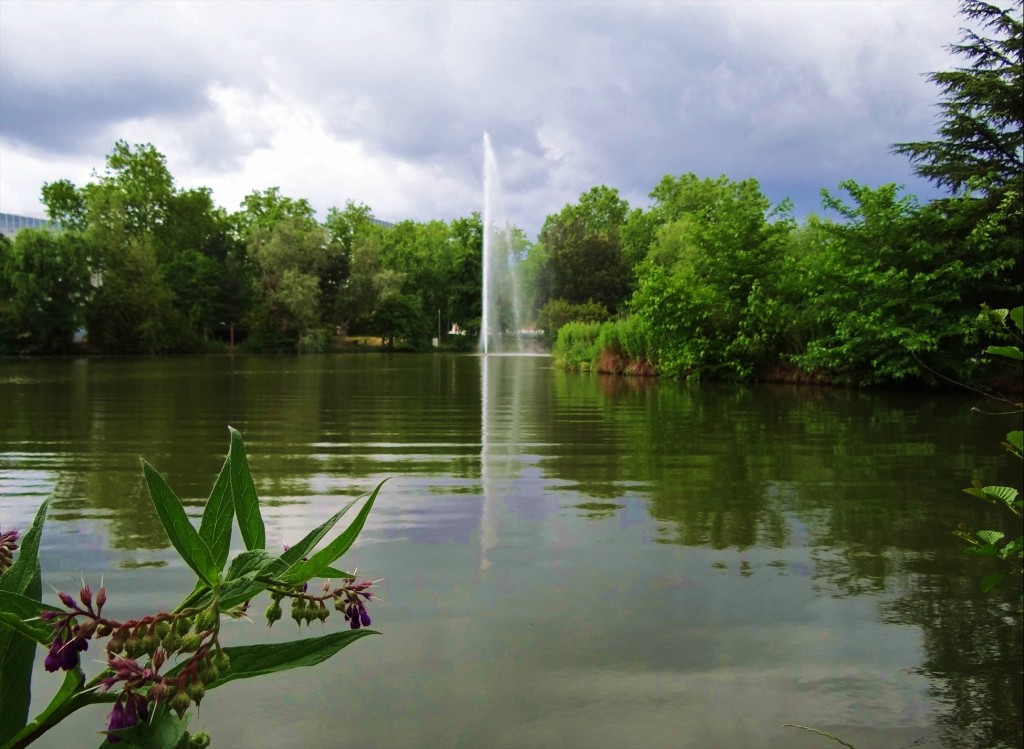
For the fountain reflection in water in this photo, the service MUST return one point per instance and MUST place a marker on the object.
(502, 318)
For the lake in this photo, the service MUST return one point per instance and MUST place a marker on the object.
(566, 560)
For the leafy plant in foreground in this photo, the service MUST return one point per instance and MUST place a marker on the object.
(159, 665)
(990, 543)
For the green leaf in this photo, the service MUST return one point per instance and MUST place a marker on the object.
(1017, 315)
(324, 558)
(992, 580)
(183, 536)
(1010, 352)
(256, 660)
(1016, 441)
(248, 562)
(73, 681)
(999, 495)
(243, 492)
(1016, 546)
(334, 572)
(17, 610)
(295, 553)
(22, 578)
(982, 551)
(990, 537)
(215, 528)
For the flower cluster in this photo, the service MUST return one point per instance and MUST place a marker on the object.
(70, 637)
(8, 545)
(350, 598)
(192, 633)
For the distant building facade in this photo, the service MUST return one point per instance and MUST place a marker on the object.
(11, 224)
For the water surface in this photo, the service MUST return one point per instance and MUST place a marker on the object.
(567, 560)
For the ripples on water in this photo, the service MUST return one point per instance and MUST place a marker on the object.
(568, 560)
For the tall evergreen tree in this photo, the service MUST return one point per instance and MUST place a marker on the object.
(980, 148)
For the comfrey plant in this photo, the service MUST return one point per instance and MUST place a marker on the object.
(1007, 550)
(158, 666)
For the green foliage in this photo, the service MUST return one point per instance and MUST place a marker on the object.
(882, 290)
(624, 347)
(185, 640)
(981, 136)
(44, 289)
(557, 312)
(582, 252)
(17, 651)
(1007, 550)
(717, 244)
(577, 345)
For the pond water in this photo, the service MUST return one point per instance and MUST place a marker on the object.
(567, 560)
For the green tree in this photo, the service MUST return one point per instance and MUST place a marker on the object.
(289, 256)
(156, 253)
(885, 290)
(980, 148)
(583, 246)
(706, 289)
(44, 286)
(979, 151)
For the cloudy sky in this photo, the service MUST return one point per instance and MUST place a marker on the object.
(386, 103)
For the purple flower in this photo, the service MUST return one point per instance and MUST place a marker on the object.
(8, 544)
(355, 614)
(129, 709)
(63, 655)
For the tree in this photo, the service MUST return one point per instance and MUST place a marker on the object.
(979, 152)
(584, 251)
(44, 285)
(157, 253)
(706, 286)
(980, 148)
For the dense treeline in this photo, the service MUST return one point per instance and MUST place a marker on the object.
(714, 281)
(144, 267)
(711, 280)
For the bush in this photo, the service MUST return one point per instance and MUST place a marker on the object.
(577, 345)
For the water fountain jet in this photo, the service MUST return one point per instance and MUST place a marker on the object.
(502, 305)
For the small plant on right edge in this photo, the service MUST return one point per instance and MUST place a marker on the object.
(1009, 552)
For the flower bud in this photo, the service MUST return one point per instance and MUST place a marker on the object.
(273, 613)
(159, 658)
(163, 628)
(158, 692)
(115, 646)
(209, 674)
(190, 643)
(101, 598)
(67, 600)
(195, 691)
(222, 661)
(180, 703)
(206, 620)
(171, 643)
(150, 642)
(184, 625)
(298, 610)
(103, 629)
(133, 647)
(321, 612)
(85, 594)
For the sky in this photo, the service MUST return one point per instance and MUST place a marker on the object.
(386, 103)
